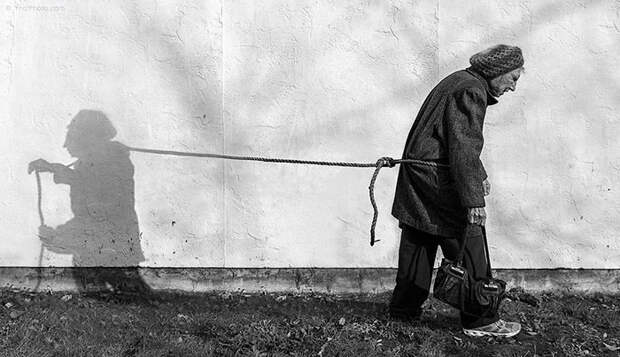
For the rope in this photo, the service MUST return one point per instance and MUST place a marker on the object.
(254, 158)
(382, 162)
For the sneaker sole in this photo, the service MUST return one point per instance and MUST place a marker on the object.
(475, 333)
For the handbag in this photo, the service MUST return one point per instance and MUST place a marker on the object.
(457, 288)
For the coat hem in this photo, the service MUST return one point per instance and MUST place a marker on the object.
(431, 229)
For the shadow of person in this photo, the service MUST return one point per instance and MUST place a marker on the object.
(104, 231)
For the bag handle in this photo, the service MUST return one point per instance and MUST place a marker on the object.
(486, 251)
(459, 258)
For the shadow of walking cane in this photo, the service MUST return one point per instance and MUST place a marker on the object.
(42, 221)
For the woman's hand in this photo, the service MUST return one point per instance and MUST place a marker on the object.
(477, 215)
(46, 234)
(39, 165)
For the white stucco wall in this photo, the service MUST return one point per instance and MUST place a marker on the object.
(319, 80)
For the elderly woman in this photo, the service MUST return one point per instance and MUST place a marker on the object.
(435, 204)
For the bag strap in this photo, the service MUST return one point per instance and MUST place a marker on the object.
(459, 261)
(486, 251)
(459, 258)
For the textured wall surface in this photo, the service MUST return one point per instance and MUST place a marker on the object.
(319, 80)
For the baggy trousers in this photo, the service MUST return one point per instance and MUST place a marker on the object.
(416, 257)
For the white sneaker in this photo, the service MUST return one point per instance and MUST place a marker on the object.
(500, 328)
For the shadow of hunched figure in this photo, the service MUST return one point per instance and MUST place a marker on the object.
(104, 231)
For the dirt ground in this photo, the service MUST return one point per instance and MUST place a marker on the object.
(241, 324)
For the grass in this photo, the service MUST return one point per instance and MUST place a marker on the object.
(240, 324)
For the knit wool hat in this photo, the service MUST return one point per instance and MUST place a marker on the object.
(497, 60)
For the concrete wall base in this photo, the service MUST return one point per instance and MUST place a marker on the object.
(324, 280)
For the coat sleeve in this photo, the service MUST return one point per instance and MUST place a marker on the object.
(464, 120)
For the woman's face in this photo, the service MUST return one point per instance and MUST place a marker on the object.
(505, 82)
(75, 143)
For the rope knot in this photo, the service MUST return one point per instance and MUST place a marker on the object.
(386, 161)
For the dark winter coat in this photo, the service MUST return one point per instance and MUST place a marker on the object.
(447, 130)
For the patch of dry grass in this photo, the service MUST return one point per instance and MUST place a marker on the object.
(229, 324)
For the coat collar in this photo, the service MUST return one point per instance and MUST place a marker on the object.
(490, 98)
